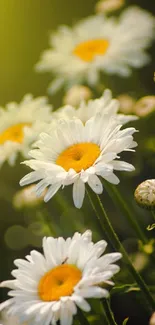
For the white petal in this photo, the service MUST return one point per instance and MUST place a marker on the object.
(110, 258)
(87, 235)
(65, 315)
(81, 303)
(122, 165)
(52, 191)
(95, 184)
(112, 178)
(78, 193)
(55, 85)
(30, 178)
(11, 284)
(6, 304)
(94, 292)
(34, 307)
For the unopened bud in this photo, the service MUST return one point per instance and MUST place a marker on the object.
(27, 198)
(126, 104)
(107, 6)
(140, 261)
(76, 94)
(145, 194)
(152, 319)
(145, 106)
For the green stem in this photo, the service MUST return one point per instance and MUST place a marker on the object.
(108, 229)
(153, 214)
(63, 203)
(81, 317)
(43, 216)
(119, 201)
(108, 311)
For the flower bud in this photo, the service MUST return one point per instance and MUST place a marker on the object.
(126, 104)
(140, 261)
(76, 94)
(145, 106)
(107, 6)
(145, 194)
(152, 319)
(27, 198)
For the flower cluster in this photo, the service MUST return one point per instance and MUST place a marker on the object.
(81, 145)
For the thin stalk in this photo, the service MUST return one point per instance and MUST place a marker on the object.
(119, 201)
(45, 218)
(108, 311)
(153, 214)
(81, 317)
(108, 229)
(63, 203)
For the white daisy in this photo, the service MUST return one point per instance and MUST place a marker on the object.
(74, 153)
(105, 104)
(19, 126)
(50, 287)
(96, 44)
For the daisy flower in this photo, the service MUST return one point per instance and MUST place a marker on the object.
(98, 44)
(77, 153)
(86, 110)
(20, 125)
(50, 287)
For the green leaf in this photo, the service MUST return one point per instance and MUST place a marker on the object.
(125, 288)
(151, 227)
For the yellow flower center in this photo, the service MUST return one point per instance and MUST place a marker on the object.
(13, 133)
(59, 282)
(89, 49)
(79, 156)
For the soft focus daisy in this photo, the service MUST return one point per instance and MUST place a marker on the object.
(86, 110)
(144, 106)
(50, 287)
(77, 153)
(27, 198)
(96, 44)
(127, 104)
(20, 124)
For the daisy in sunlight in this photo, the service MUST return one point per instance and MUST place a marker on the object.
(98, 44)
(86, 110)
(19, 126)
(51, 286)
(77, 153)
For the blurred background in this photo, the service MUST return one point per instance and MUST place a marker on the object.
(25, 26)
